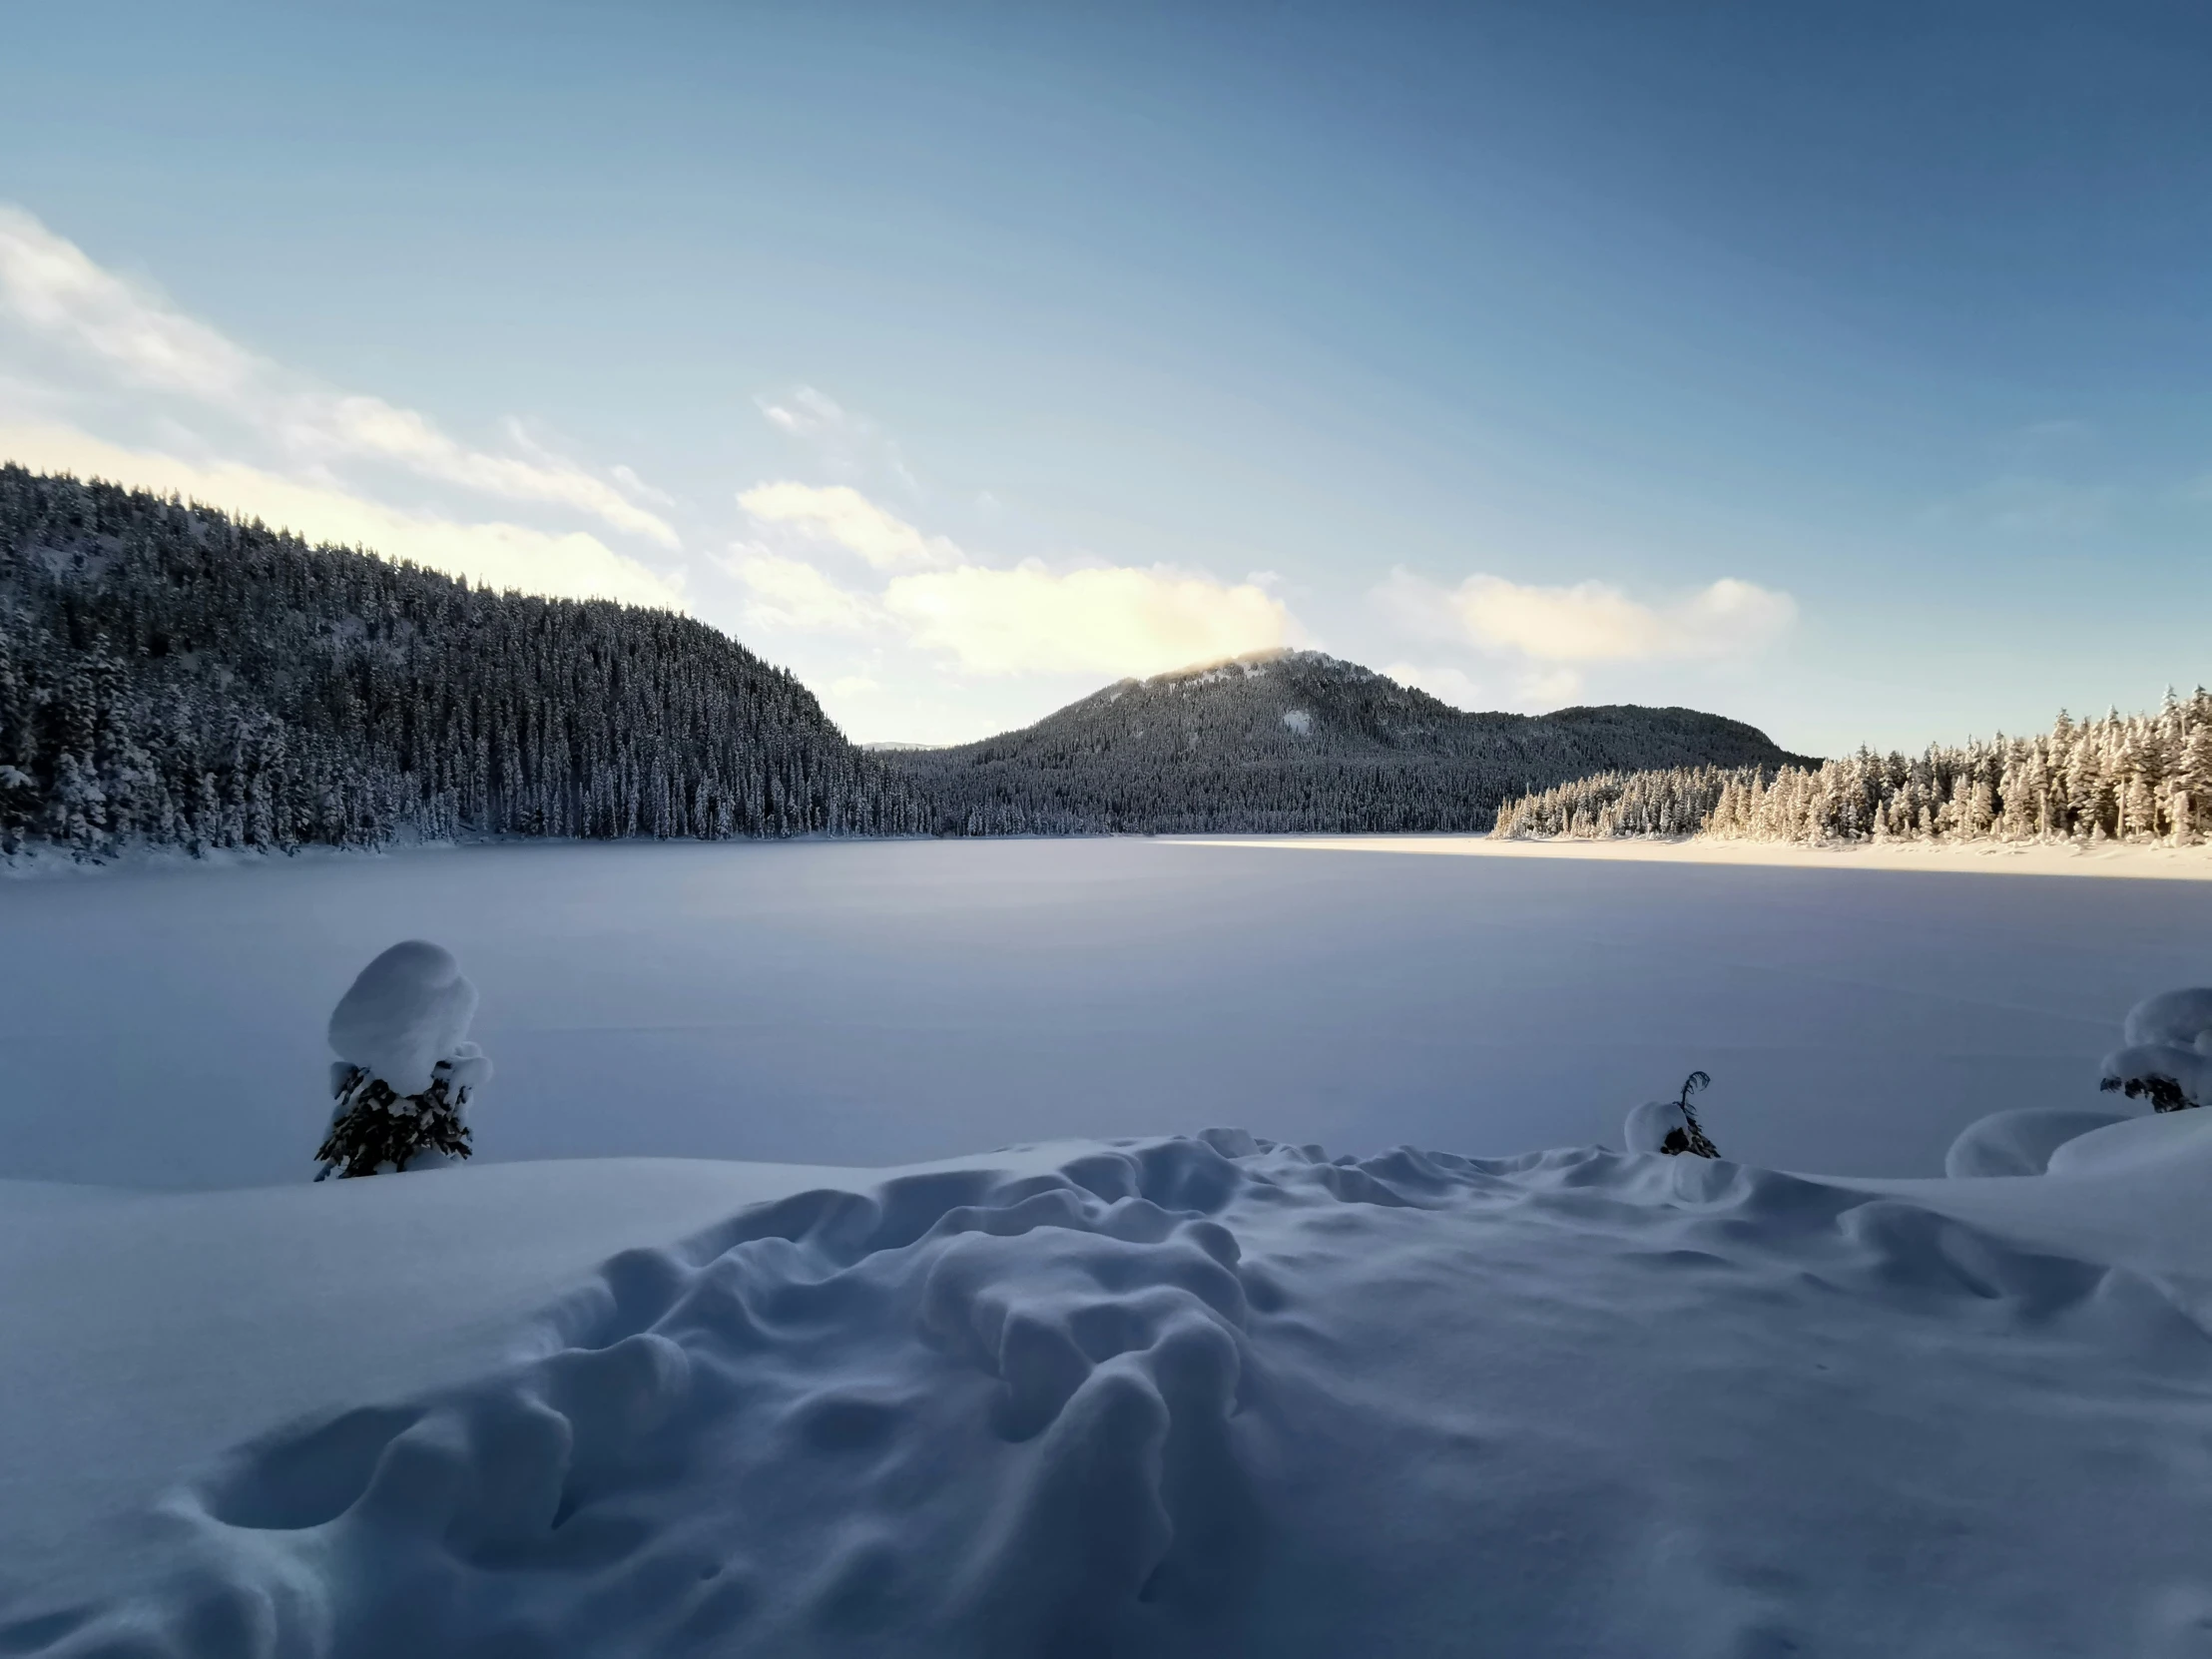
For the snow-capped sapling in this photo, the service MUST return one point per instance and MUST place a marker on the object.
(406, 1068)
(2168, 1054)
(1671, 1126)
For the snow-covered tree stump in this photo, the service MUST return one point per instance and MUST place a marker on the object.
(405, 1069)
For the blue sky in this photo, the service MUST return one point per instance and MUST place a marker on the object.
(1843, 369)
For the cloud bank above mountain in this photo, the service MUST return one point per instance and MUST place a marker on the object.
(926, 592)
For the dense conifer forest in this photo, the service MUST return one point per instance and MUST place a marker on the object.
(2139, 777)
(1294, 741)
(173, 677)
(169, 676)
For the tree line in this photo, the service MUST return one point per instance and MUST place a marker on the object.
(2132, 777)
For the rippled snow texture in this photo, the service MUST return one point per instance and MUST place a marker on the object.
(1215, 1395)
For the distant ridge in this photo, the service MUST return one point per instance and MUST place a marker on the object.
(1295, 741)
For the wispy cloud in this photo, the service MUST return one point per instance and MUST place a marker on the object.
(1588, 622)
(845, 444)
(807, 414)
(990, 620)
(638, 487)
(842, 516)
(64, 307)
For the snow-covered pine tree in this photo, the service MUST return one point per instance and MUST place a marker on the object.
(405, 1069)
(2192, 783)
(2167, 1057)
(1671, 1126)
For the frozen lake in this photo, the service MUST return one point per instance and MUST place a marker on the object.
(885, 1002)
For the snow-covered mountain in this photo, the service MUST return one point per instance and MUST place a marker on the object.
(1295, 739)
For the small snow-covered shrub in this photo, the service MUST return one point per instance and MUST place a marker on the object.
(405, 1069)
(1671, 1126)
(2168, 1054)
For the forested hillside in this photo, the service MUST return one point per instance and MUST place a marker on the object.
(169, 676)
(173, 677)
(2142, 778)
(1294, 741)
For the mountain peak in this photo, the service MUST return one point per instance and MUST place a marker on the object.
(1255, 665)
(1299, 740)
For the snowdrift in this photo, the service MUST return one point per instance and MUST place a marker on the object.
(1204, 1395)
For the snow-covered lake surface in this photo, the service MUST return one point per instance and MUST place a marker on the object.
(1160, 1396)
(875, 1003)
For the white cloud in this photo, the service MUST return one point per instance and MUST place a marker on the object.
(990, 620)
(842, 515)
(1589, 620)
(574, 566)
(1447, 685)
(63, 302)
(790, 594)
(53, 288)
(1122, 621)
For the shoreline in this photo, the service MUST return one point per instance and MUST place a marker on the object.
(2111, 860)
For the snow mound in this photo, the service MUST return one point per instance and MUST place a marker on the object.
(2180, 1018)
(2168, 1041)
(1217, 1394)
(2019, 1142)
(1650, 1124)
(407, 1010)
(2133, 1142)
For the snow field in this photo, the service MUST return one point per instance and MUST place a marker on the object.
(1218, 1396)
